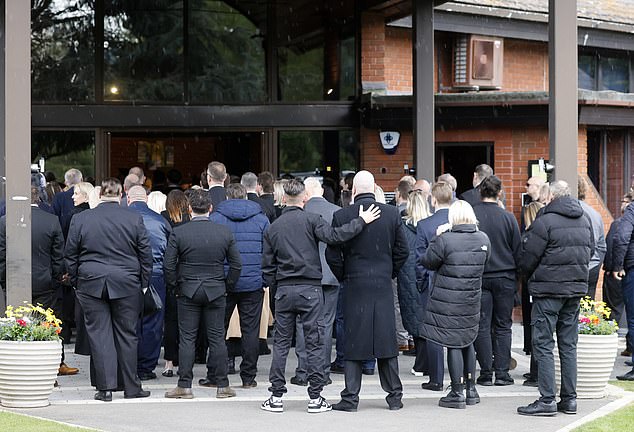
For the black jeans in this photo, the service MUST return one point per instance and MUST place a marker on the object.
(170, 335)
(493, 344)
(305, 301)
(189, 313)
(250, 310)
(561, 315)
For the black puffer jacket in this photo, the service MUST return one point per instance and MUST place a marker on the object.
(453, 312)
(556, 250)
(623, 246)
(410, 299)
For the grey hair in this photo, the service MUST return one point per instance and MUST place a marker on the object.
(131, 180)
(483, 171)
(313, 187)
(249, 180)
(73, 176)
(559, 189)
(449, 179)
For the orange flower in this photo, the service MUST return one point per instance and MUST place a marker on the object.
(45, 324)
(58, 330)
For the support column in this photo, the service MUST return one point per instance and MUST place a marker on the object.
(423, 109)
(17, 148)
(563, 116)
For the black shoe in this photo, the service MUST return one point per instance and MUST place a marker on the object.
(298, 381)
(335, 368)
(396, 406)
(485, 380)
(504, 380)
(431, 386)
(538, 408)
(140, 394)
(206, 382)
(627, 377)
(567, 407)
(231, 366)
(343, 406)
(527, 375)
(455, 398)
(410, 352)
(105, 396)
(168, 373)
(249, 384)
(472, 396)
(629, 363)
(146, 376)
(328, 382)
(530, 383)
(366, 371)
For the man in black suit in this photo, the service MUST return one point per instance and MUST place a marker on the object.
(366, 266)
(265, 191)
(194, 268)
(109, 261)
(47, 261)
(472, 196)
(250, 181)
(216, 176)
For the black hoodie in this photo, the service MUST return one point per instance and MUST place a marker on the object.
(556, 250)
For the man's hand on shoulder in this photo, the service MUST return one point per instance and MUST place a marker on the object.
(369, 215)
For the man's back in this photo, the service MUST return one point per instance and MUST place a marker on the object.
(320, 206)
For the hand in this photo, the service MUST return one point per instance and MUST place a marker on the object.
(619, 275)
(371, 214)
(442, 228)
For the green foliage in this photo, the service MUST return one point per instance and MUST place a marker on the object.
(29, 323)
(620, 420)
(18, 422)
(594, 318)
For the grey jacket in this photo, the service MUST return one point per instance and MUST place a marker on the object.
(320, 206)
(600, 246)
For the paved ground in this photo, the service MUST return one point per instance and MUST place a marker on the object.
(72, 402)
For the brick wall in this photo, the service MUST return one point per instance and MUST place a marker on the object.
(372, 47)
(525, 66)
(398, 59)
(387, 169)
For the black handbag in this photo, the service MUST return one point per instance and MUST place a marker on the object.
(152, 302)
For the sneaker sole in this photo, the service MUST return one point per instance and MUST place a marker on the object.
(544, 414)
(319, 410)
(568, 412)
(225, 396)
(275, 410)
(180, 397)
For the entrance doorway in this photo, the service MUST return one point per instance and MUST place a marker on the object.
(460, 159)
(186, 152)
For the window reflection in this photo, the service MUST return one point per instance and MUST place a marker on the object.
(614, 73)
(143, 50)
(63, 150)
(304, 152)
(62, 51)
(226, 55)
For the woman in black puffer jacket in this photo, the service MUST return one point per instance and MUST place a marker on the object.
(457, 254)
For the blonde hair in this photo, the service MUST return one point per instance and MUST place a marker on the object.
(417, 207)
(461, 212)
(84, 188)
(379, 195)
(156, 201)
(530, 212)
(94, 197)
(278, 192)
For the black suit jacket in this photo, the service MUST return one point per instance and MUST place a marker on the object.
(108, 247)
(217, 195)
(268, 207)
(63, 206)
(47, 252)
(195, 257)
(472, 196)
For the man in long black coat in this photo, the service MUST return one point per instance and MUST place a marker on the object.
(109, 261)
(370, 261)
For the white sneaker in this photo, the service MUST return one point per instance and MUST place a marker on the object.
(318, 405)
(418, 374)
(272, 405)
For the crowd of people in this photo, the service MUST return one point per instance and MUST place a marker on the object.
(230, 256)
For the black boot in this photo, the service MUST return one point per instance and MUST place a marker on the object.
(472, 394)
(455, 398)
(231, 365)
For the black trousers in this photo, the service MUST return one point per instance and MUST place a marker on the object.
(493, 344)
(170, 335)
(561, 315)
(250, 310)
(111, 326)
(593, 278)
(189, 312)
(388, 376)
(291, 302)
(461, 363)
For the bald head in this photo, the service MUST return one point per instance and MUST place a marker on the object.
(363, 183)
(423, 186)
(313, 187)
(136, 193)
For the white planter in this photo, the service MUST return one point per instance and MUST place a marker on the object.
(27, 372)
(595, 360)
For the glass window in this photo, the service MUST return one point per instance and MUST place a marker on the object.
(587, 72)
(300, 152)
(348, 69)
(143, 51)
(615, 74)
(226, 55)
(301, 74)
(62, 51)
(63, 150)
(348, 150)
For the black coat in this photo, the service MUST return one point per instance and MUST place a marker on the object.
(366, 265)
(556, 250)
(217, 195)
(195, 258)
(472, 196)
(453, 312)
(108, 246)
(410, 297)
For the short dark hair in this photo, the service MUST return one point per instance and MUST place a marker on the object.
(199, 200)
(111, 187)
(236, 191)
(266, 180)
(404, 188)
(35, 195)
(490, 187)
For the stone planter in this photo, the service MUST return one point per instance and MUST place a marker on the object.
(595, 360)
(27, 372)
